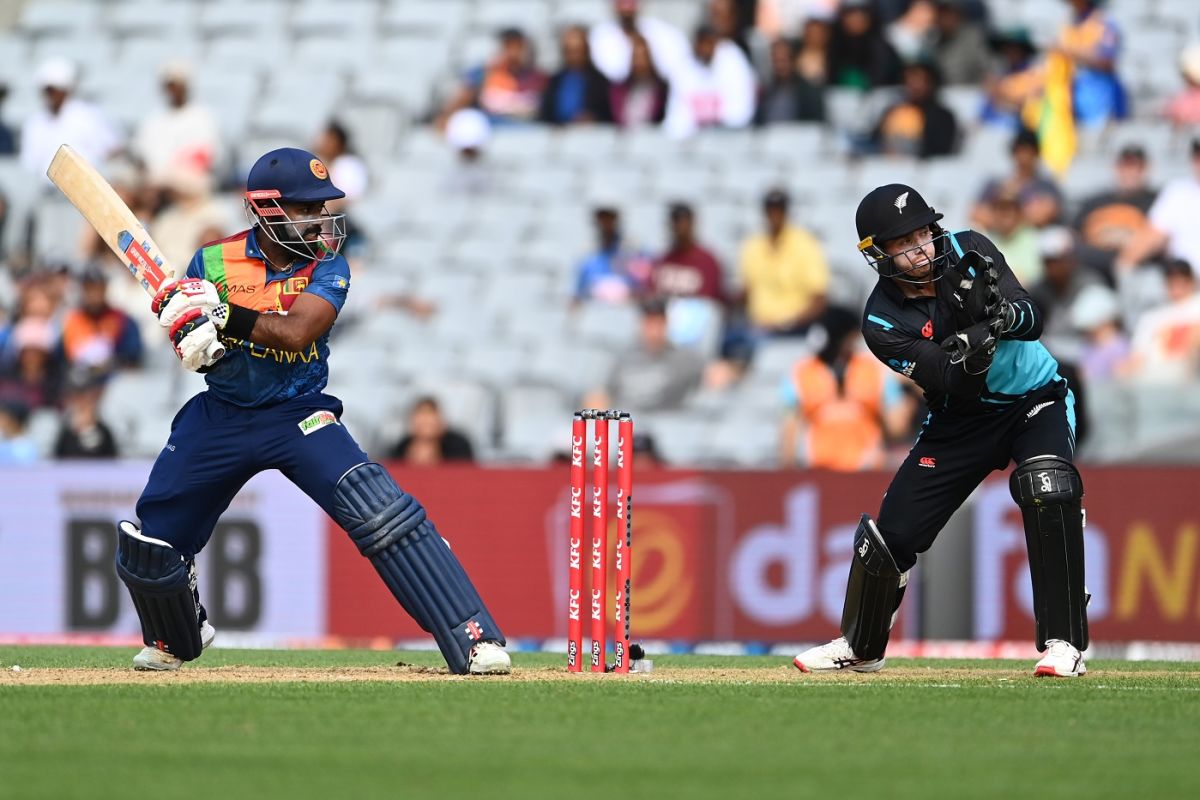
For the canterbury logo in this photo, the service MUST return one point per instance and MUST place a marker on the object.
(928, 462)
(901, 202)
(862, 551)
(1033, 411)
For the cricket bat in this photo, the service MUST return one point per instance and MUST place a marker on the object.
(104, 210)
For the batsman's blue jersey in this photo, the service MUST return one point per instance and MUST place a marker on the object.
(251, 375)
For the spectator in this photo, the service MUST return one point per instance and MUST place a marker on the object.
(95, 335)
(468, 132)
(508, 89)
(715, 88)
(860, 57)
(578, 92)
(1184, 108)
(842, 404)
(1015, 81)
(612, 42)
(960, 45)
(347, 170)
(36, 300)
(81, 433)
(784, 273)
(640, 99)
(429, 440)
(1015, 238)
(8, 140)
(1096, 313)
(1172, 227)
(725, 18)
(1091, 43)
(190, 216)
(182, 136)
(349, 173)
(788, 95)
(912, 33)
(16, 446)
(781, 18)
(645, 453)
(813, 58)
(64, 119)
(1166, 341)
(615, 272)
(33, 379)
(918, 125)
(1041, 201)
(1061, 284)
(687, 269)
(1108, 221)
(654, 375)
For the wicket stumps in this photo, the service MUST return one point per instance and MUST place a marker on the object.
(600, 420)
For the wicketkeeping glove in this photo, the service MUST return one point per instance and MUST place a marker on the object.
(975, 283)
(175, 298)
(975, 346)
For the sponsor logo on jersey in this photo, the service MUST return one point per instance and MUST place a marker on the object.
(929, 462)
(927, 331)
(316, 421)
(905, 368)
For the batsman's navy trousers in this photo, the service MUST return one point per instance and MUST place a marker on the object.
(952, 456)
(215, 447)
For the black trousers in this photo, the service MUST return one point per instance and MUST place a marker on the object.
(952, 456)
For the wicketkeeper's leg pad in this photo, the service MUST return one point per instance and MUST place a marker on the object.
(162, 584)
(873, 593)
(1049, 491)
(389, 527)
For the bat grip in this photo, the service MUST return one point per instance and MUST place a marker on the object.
(216, 351)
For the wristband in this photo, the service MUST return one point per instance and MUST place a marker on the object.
(239, 323)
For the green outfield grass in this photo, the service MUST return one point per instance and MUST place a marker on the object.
(697, 727)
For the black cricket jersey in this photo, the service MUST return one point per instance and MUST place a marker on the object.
(906, 334)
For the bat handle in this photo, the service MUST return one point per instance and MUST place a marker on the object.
(216, 351)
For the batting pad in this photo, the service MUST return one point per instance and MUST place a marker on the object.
(1049, 491)
(389, 527)
(161, 583)
(873, 593)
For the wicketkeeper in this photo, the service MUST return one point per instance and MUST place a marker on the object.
(948, 313)
(271, 294)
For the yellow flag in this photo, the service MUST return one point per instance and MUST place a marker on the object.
(1056, 125)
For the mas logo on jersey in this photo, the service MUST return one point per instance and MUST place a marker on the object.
(316, 421)
(318, 168)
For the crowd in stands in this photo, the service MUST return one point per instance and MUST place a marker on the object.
(1113, 271)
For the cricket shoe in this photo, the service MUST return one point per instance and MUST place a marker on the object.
(489, 658)
(151, 659)
(1062, 660)
(836, 655)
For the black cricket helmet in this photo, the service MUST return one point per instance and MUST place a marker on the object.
(889, 212)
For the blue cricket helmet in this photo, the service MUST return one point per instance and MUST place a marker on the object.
(298, 176)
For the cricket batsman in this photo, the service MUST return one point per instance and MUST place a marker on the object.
(948, 312)
(270, 295)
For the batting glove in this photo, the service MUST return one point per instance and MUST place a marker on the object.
(176, 298)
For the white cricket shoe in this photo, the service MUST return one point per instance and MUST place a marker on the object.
(1062, 660)
(835, 656)
(151, 659)
(489, 658)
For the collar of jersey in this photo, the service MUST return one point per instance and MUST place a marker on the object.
(255, 252)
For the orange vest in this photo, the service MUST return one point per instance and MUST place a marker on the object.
(80, 329)
(844, 424)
